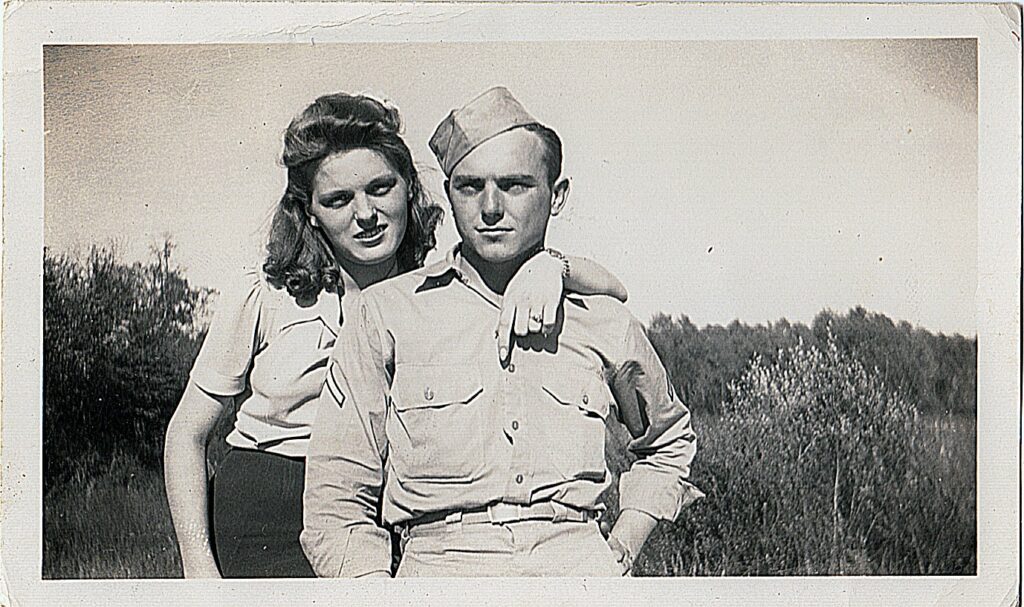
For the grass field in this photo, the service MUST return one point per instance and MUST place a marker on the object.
(117, 524)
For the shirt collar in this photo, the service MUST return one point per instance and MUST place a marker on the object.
(456, 265)
(451, 263)
(326, 307)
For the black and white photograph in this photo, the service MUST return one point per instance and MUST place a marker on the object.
(519, 292)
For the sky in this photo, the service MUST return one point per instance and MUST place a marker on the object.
(720, 180)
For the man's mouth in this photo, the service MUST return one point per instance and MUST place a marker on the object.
(371, 233)
(494, 230)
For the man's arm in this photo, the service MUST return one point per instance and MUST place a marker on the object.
(344, 466)
(656, 486)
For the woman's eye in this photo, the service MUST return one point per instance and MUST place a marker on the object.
(380, 187)
(381, 190)
(339, 200)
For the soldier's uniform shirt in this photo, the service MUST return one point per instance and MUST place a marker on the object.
(418, 416)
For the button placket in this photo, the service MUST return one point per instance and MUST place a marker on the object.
(513, 394)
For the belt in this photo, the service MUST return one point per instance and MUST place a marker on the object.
(501, 512)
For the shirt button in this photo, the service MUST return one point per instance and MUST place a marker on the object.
(586, 399)
(511, 368)
(428, 394)
(519, 479)
(515, 425)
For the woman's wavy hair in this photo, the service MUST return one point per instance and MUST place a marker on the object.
(299, 256)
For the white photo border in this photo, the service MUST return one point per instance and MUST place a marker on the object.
(31, 25)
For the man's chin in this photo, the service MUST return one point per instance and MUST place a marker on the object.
(496, 255)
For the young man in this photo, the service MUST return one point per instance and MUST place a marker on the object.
(489, 467)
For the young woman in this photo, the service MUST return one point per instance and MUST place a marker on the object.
(353, 213)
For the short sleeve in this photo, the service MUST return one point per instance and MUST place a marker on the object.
(223, 363)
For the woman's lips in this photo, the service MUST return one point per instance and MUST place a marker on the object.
(372, 236)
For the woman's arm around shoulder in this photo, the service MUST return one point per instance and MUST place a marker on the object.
(534, 294)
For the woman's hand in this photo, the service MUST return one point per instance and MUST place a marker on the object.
(531, 301)
(202, 568)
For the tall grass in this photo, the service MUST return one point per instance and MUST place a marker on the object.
(114, 524)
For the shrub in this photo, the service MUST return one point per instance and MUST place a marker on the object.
(815, 467)
(118, 342)
(824, 449)
(935, 372)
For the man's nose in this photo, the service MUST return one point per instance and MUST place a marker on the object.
(493, 207)
(365, 212)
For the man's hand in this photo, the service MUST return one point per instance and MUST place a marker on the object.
(531, 301)
(628, 535)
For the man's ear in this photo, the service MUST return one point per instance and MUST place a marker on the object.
(559, 196)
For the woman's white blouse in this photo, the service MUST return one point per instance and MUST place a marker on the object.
(270, 352)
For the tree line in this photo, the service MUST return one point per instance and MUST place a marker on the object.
(936, 372)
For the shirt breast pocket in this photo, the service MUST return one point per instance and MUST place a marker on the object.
(437, 426)
(576, 429)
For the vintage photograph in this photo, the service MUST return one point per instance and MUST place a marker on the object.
(794, 224)
(575, 308)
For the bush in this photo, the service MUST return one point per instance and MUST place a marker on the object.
(815, 467)
(118, 342)
(824, 450)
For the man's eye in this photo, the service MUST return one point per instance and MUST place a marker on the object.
(516, 188)
(468, 189)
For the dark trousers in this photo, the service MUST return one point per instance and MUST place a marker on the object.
(256, 505)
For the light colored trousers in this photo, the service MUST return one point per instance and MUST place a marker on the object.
(514, 549)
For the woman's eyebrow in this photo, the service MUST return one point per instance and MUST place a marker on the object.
(387, 179)
(330, 195)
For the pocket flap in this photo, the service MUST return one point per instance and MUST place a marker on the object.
(427, 387)
(579, 387)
